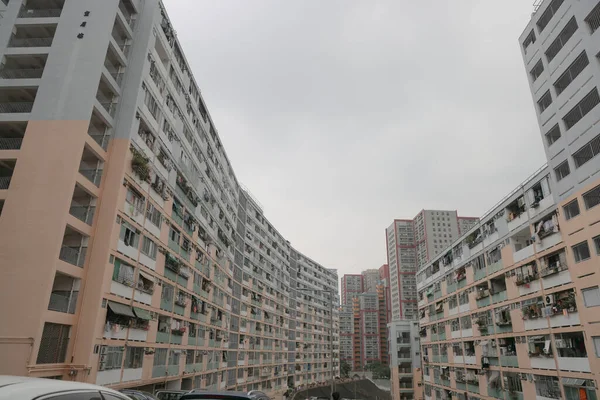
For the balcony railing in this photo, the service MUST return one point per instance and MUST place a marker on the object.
(30, 42)
(5, 182)
(21, 73)
(73, 255)
(10, 143)
(94, 175)
(63, 302)
(102, 140)
(16, 107)
(83, 213)
(42, 13)
(107, 103)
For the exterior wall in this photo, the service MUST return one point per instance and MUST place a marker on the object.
(574, 138)
(78, 270)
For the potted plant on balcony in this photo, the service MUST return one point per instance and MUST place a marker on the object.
(140, 165)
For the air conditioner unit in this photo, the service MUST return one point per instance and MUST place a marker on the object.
(103, 350)
(102, 366)
(549, 299)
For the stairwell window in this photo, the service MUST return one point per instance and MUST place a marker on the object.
(571, 73)
(545, 101)
(587, 152)
(592, 198)
(571, 209)
(593, 18)
(581, 251)
(537, 70)
(562, 170)
(548, 14)
(582, 108)
(562, 39)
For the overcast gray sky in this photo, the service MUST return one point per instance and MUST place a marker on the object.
(340, 116)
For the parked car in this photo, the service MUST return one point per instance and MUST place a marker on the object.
(197, 394)
(24, 388)
(258, 395)
(138, 394)
(170, 394)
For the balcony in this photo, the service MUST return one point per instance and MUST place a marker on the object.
(99, 130)
(121, 38)
(128, 12)
(11, 135)
(107, 97)
(91, 167)
(74, 248)
(65, 291)
(23, 67)
(41, 9)
(7, 168)
(82, 205)
(17, 101)
(114, 66)
(32, 36)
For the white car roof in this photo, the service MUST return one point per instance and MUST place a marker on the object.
(21, 387)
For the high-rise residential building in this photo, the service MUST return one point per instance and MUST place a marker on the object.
(364, 318)
(131, 256)
(509, 309)
(384, 278)
(352, 286)
(370, 279)
(405, 373)
(410, 244)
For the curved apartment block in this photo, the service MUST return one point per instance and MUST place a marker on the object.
(131, 256)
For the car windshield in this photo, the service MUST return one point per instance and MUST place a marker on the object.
(140, 395)
(169, 395)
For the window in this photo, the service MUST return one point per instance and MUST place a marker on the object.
(593, 18)
(597, 345)
(596, 240)
(548, 14)
(129, 235)
(592, 198)
(153, 214)
(562, 39)
(587, 152)
(111, 357)
(530, 39)
(545, 101)
(54, 343)
(174, 235)
(571, 209)
(134, 357)
(149, 248)
(562, 170)
(591, 296)
(581, 109)
(581, 251)
(135, 200)
(571, 73)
